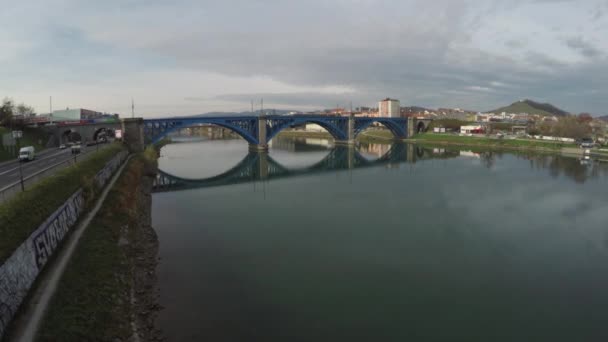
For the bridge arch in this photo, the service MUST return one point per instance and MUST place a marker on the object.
(335, 126)
(102, 131)
(398, 128)
(70, 135)
(155, 130)
(420, 127)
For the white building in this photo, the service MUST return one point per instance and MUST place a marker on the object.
(471, 129)
(389, 108)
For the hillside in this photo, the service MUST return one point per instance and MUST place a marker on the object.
(604, 118)
(531, 107)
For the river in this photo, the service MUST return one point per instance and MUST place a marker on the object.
(433, 245)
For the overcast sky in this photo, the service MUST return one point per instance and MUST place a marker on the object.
(194, 56)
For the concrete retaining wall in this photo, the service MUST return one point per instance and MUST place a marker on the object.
(19, 272)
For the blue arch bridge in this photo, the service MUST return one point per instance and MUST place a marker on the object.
(259, 130)
(262, 167)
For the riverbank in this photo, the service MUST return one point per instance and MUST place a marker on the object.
(433, 140)
(108, 290)
(452, 139)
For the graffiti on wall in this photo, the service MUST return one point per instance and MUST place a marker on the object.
(20, 270)
(104, 174)
(57, 226)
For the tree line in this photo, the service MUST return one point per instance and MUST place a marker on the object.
(9, 110)
(573, 126)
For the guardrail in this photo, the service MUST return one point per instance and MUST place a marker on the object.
(14, 188)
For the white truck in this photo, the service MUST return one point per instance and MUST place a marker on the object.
(27, 153)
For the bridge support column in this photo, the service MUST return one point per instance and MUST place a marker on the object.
(350, 133)
(133, 134)
(411, 127)
(262, 145)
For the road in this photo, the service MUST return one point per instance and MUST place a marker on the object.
(9, 171)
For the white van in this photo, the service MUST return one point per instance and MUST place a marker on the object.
(26, 153)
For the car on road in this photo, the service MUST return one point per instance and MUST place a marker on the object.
(587, 143)
(62, 147)
(76, 149)
(27, 153)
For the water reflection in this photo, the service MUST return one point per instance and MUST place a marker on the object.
(484, 245)
(263, 167)
(578, 169)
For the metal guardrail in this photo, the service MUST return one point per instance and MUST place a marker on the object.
(10, 190)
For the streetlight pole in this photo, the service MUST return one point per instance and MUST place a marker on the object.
(17, 136)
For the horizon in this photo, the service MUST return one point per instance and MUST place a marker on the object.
(186, 58)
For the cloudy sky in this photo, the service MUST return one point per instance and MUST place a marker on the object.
(194, 56)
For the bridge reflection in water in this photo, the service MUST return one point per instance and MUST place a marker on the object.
(260, 166)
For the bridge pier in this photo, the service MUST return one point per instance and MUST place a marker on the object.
(133, 134)
(262, 145)
(350, 133)
(411, 126)
(258, 148)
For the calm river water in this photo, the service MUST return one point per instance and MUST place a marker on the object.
(431, 245)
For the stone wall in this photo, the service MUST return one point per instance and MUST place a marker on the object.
(20, 270)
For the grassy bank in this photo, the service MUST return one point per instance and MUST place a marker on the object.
(450, 139)
(94, 292)
(94, 300)
(385, 136)
(22, 214)
(31, 137)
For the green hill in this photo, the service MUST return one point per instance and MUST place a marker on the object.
(531, 107)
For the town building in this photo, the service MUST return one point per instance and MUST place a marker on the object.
(477, 129)
(77, 114)
(389, 108)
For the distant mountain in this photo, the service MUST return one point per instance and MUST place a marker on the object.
(531, 107)
(604, 118)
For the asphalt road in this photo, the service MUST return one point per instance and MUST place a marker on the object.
(9, 171)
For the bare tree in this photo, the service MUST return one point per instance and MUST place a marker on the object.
(24, 110)
(7, 111)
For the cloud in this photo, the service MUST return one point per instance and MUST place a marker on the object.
(585, 48)
(460, 53)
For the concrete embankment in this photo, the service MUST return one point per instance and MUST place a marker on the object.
(108, 291)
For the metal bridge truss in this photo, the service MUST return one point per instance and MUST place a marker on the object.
(248, 126)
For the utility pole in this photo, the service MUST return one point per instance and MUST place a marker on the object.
(251, 106)
(17, 136)
(51, 109)
(132, 108)
(262, 107)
